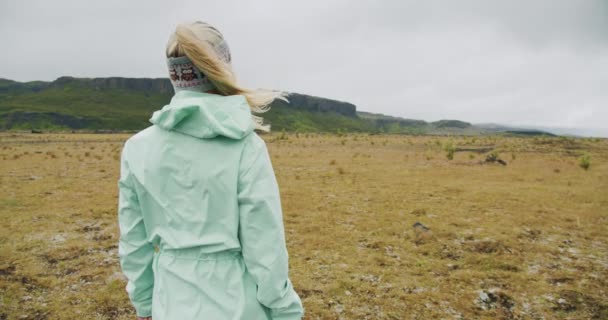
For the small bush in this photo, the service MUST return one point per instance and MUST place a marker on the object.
(585, 161)
(450, 149)
(492, 157)
(283, 135)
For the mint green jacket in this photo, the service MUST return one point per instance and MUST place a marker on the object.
(199, 211)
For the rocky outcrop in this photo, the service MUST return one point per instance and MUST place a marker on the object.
(317, 104)
(161, 85)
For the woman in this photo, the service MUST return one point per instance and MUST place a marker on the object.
(199, 210)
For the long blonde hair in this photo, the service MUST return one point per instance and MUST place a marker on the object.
(198, 41)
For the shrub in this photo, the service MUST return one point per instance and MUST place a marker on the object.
(492, 156)
(585, 161)
(283, 135)
(450, 149)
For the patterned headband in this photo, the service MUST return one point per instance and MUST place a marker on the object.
(185, 75)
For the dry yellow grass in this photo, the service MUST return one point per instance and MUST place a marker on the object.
(523, 241)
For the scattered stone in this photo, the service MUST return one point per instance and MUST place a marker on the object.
(420, 226)
(560, 280)
(422, 232)
(450, 252)
(496, 299)
(338, 308)
(532, 234)
(58, 238)
(419, 212)
(369, 278)
(389, 252)
(7, 269)
(485, 246)
(116, 276)
(89, 228)
(452, 267)
(574, 301)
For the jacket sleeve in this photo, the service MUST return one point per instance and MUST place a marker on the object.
(261, 232)
(134, 251)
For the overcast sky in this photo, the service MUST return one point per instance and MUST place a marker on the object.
(529, 62)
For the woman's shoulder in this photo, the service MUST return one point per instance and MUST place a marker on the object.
(253, 141)
(141, 135)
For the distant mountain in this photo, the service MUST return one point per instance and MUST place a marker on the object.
(118, 104)
(559, 131)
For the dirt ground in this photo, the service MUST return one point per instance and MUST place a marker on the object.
(377, 226)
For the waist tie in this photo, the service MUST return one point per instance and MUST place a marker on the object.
(197, 253)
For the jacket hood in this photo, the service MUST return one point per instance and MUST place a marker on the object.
(205, 115)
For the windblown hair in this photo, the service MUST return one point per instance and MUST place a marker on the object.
(198, 41)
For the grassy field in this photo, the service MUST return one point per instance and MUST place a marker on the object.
(528, 240)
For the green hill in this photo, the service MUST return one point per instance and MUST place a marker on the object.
(69, 103)
(119, 104)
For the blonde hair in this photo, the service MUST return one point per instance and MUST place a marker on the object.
(198, 41)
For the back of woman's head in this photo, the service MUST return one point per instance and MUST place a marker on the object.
(206, 47)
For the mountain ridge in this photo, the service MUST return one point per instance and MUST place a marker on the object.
(121, 103)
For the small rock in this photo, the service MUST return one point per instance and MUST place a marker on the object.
(58, 238)
(496, 299)
(116, 276)
(419, 212)
(338, 308)
(452, 266)
(422, 232)
(420, 226)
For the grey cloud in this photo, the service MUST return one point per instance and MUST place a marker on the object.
(537, 62)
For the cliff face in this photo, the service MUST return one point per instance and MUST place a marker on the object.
(162, 86)
(317, 104)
